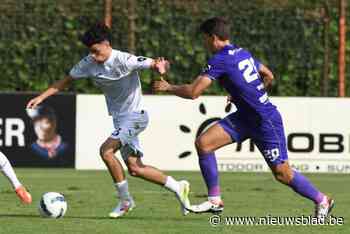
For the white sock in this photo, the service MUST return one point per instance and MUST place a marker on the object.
(215, 199)
(172, 184)
(123, 190)
(7, 170)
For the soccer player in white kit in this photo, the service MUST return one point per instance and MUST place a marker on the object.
(116, 73)
(7, 170)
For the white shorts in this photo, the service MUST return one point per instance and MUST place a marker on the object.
(127, 128)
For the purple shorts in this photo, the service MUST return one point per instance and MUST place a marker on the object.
(267, 134)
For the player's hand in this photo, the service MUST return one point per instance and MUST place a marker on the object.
(33, 103)
(162, 65)
(161, 85)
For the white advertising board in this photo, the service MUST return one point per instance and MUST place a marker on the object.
(317, 131)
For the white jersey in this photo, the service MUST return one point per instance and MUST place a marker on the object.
(118, 79)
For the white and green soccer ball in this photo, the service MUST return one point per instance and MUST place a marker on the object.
(52, 205)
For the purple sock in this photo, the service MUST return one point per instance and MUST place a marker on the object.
(209, 169)
(301, 185)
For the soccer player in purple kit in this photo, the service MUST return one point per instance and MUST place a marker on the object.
(245, 79)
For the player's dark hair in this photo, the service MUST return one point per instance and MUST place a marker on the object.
(96, 34)
(216, 26)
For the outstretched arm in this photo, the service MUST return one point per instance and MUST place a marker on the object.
(266, 75)
(53, 89)
(188, 91)
(133, 63)
(160, 65)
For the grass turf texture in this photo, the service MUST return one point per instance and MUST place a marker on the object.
(91, 196)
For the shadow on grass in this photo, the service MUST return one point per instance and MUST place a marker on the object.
(19, 216)
(145, 218)
(137, 218)
(39, 217)
(126, 218)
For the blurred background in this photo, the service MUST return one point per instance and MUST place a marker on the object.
(298, 40)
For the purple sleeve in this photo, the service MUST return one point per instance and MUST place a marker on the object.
(214, 69)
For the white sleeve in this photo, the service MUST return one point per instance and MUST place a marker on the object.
(133, 62)
(81, 69)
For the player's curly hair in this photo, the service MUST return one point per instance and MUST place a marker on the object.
(216, 26)
(96, 34)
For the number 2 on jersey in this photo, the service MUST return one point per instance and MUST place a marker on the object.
(250, 73)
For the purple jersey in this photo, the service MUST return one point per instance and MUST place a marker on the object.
(237, 72)
(256, 117)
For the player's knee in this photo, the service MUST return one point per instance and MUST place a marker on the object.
(202, 146)
(105, 153)
(280, 178)
(283, 177)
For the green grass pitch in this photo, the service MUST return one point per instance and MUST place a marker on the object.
(91, 196)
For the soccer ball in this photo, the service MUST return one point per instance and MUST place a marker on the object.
(52, 205)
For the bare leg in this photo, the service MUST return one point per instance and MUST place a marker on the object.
(107, 151)
(283, 172)
(149, 173)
